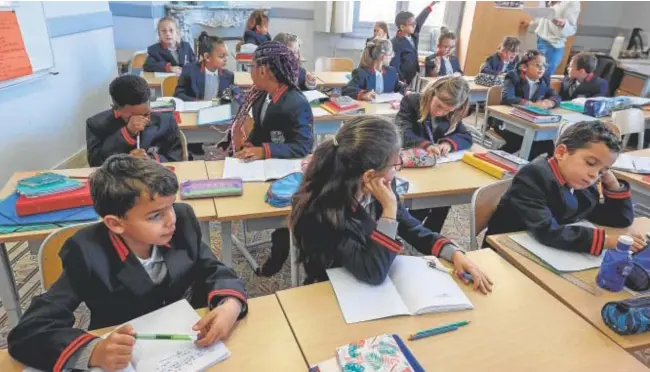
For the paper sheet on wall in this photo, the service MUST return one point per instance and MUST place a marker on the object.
(14, 61)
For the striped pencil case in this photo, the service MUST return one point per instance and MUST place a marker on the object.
(197, 189)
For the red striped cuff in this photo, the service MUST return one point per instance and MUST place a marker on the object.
(227, 293)
(454, 145)
(71, 349)
(624, 194)
(177, 116)
(267, 150)
(127, 137)
(361, 92)
(424, 144)
(597, 242)
(385, 241)
(437, 246)
(168, 67)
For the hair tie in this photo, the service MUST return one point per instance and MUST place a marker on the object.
(335, 142)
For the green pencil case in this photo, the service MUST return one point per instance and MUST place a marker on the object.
(197, 189)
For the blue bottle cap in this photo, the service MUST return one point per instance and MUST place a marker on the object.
(626, 240)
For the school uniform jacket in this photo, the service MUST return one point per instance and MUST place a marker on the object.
(516, 90)
(493, 65)
(364, 80)
(287, 129)
(540, 202)
(432, 130)
(363, 250)
(101, 271)
(430, 66)
(591, 86)
(405, 59)
(107, 135)
(191, 83)
(160, 59)
(252, 37)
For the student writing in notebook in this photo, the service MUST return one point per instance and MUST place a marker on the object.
(206, 79)
(443, 62)
(528, 85)
(405, 43)
(432, 120)
(257, 28)
(170, 54)
(504, 60)
(130, 128)
(379, 31)
(374, 75)
(347, 212)
(146, 253)
(306, 81)
(282, 126)
(581, 81)
(549, 194)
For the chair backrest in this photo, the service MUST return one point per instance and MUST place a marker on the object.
(628, 122)
(556, 85)
(137, 61)
(326, 64)
(484, 202)
(49, 263)
(184, 152)
(238, 46)
(168, 86)
(494, 95)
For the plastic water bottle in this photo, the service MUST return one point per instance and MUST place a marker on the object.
(617, 265)
(643, 258)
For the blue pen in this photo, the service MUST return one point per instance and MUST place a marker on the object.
(432, 332)
(467, 276)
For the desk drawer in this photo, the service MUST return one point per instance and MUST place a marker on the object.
(632, 84)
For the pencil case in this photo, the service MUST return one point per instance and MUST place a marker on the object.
(281, 191)
(627, 317)
(196, 189)
(417, 158)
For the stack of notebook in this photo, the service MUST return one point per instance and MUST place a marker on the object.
(534, 114)
(342, 105)
(495, 163)
(46, 199)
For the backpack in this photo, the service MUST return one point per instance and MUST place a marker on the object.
(281, 191)
(487, 80)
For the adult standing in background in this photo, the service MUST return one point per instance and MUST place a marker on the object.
(553, 33)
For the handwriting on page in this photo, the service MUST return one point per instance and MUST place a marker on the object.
(181, 360)
(14, 61)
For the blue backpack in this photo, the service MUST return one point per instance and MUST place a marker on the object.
(281, 191)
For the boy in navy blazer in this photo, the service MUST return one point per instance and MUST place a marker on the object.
(581, 81)
(373, 76)
(168, 55)
(130, 127)
(550, 194)
(257, 28)
(443, 62)
(405, 43)
(146, 253)
(505, 60)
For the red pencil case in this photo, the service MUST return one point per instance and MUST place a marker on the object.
(54, 202)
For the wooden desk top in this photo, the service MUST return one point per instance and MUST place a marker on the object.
(582, 302)
(332, 79)
(152, 80)
(519, 327)
(192, 170)
(470, 80)
(243, 79)
(261, 342)
(633, 177)
(505, 111)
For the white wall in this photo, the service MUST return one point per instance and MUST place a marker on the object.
(126, 38)
(44, 121)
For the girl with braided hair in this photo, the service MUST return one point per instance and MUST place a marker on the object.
(282, 126)
(374, 74)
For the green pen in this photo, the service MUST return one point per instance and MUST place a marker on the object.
(450, 325)
(155, 336)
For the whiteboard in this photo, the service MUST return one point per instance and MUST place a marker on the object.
(33, 26)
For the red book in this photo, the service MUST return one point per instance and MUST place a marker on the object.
(244, 57)
(497, 163)
(54, 202)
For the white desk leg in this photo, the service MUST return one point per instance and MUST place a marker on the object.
(205, 233)
(293, 257)
(527, 144)
(226, 243)
(8, 290)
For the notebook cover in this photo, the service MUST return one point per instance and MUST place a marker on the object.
(335, 110)
(42, 179)
(50, 188)
(344, 102)
(9, 217)
(211, 188)
(54, 202)
(407, 353)
(497, 163)
(381, 354)
(534, 110)
(501, 160)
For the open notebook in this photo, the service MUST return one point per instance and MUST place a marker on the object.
(186, 106)
(170, 356)
(632, 163)
(260, 170)
(387, 97)
(411, 288)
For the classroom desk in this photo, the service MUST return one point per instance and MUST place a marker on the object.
(203, 208)
(153, 81)
(582, 302)
(530, 132)
(477, 93)
(640, 187)
(260, 342)
(243, 79)
(519, 327)
(332, 79)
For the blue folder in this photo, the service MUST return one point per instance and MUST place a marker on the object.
(9, 217)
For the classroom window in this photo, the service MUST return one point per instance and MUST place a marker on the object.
(436, 18)
(370, 11)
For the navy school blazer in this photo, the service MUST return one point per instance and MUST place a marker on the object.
(494, 64)
(430, 66)
(160, 59)
(252, 37)
(405, 59)
(191, 83)
(100, 271)
(432, 130)
(287, 129)
(592, 86)
(362, 250)
(106, 135)
(364, 79)
(516, 90)
(541, 202)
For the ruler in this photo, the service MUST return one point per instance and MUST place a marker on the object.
(587, 286)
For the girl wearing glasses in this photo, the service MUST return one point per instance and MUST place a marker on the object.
(347, 212)
(374, 74)
(443, 63)
(432, 120)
